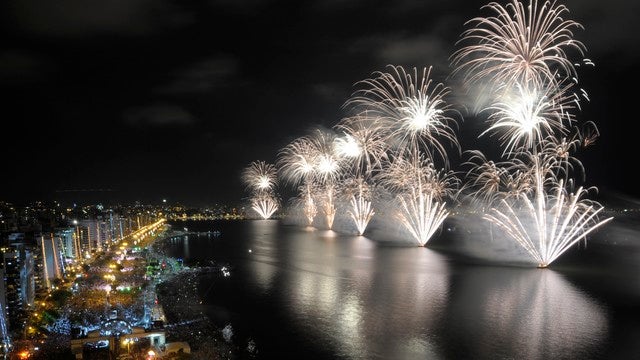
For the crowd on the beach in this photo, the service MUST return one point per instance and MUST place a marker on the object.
(186, 319)
(173, 289)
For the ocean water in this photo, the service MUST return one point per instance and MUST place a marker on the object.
(302, 292)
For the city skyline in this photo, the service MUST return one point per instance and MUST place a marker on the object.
(146, 102)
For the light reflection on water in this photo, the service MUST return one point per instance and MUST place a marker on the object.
(324, 295)
(525, 313)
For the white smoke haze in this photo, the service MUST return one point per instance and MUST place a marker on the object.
(474, 237)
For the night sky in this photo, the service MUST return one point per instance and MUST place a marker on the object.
(147, 100)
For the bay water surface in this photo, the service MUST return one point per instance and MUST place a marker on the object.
(302, 292)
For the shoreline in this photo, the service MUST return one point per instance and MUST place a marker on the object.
(186, 320)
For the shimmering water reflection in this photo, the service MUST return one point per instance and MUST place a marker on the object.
(509, 313)
(318, 294)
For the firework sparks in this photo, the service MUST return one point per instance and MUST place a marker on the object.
(365, 140)
(527, 115)
(550, 221)
(400, 125)
(261, 178)
(358, 193)
(296, 165)
(296, 161)
(265, 205)
(485, 181)
(529, 199)
(328, 169)
(412, 111)
(406, 119)
(312, 160)
(519, 44)
(366, 135)
(420, 193)
(530, 195)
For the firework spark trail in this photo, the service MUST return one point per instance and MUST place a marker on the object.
(367, 149)
(406, 119)
(485, 181)
(400, 124)
(265, 205)
(412, 112)
(526, 115)
(327, 164)
(548, 224)
(519, 44)
(558, 153)
(530, 197)
(312, 160)
(328, 204)
(296, 165)
(310, 209)
(406, 172)
(261, 178)
(361, 212)
(532, 204)
(366, 134)
(347, 147)
(296, 161)
(327, 169)
(357, 191)
(420, 192)
(421, 214)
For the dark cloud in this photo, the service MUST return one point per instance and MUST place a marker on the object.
(330, 91)
(22, 66)
(245, 7)
(82, 18)
(202, 76)
(158, 115)
(418, 51)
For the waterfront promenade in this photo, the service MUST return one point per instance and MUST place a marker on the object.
(123, 303)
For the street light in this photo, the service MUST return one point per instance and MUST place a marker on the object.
(107, 289)
(76, 243)
(128, 343)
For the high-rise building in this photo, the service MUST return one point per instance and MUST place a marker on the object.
(98, 235)
(19, 283)
(68, 239)
(52, 259)
(5, 340)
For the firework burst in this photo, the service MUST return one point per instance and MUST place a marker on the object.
(420, 192)
(486, 180)
(313, 161)
(523, 54)
(357, 192)
(328, 168)
(365, 135)
(296, 165)
(550, 220)
(261, 178)
(411, 109)
(265, 204)
(519, 44)
(408, 113)
(526, 115)
(296, 161)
